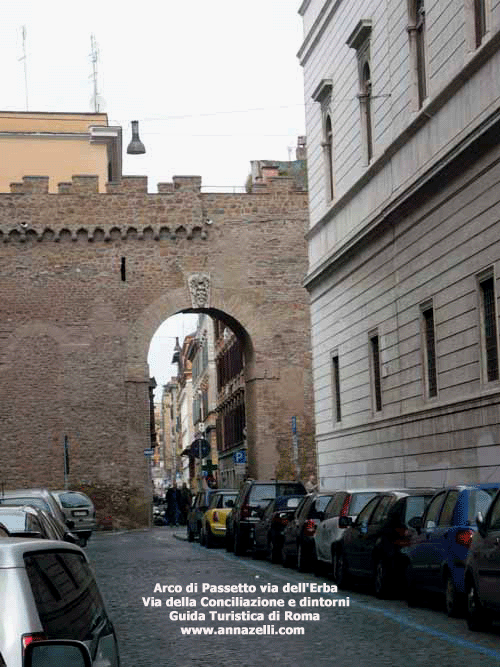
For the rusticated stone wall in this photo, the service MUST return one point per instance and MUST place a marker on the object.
(85, 281)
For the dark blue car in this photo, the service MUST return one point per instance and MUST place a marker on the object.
(436, 556)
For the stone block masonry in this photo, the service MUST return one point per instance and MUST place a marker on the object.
(85, 281)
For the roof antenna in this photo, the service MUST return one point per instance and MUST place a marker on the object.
(96, 100)
(25, 62)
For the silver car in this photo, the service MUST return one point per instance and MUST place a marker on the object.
(41, 498)
(50, 591)
(79, 511)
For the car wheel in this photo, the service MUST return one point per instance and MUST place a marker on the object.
(452, 598)
(382, 576)
(285, 558)
(411, 592)
(341, 570)
(302, 562)
(477, 618)
(239, 547)
(209, 538)
(190, 534)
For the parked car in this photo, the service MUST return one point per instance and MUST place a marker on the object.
(328, 532)
(482, 569)
(213, 523)
(41, 498)
(51, 593)
(29, 521)
(199, 505)
(298, 536)
(252, 499)
(371, 546)
(79, 510)
(268, 532)
(437, 553)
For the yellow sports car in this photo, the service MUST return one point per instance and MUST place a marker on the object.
(213, 525)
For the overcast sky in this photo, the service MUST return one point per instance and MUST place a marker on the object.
(213, 85)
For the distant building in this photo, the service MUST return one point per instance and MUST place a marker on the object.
(58, 145)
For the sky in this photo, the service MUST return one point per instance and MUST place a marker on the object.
(213, 85)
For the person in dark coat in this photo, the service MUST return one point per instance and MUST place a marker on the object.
(185, 503)
(174, 505)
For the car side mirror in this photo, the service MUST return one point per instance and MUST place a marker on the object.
(416, 523)
(345, 521)
(57, 653)
(481, 525)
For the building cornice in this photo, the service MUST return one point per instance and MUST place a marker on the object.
(318, 28)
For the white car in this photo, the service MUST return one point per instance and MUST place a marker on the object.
(51, 593)
(328, 533)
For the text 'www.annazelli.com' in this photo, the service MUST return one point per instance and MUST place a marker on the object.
(244, 630)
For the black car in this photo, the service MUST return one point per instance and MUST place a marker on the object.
(268, 532)
(482, 569)
(371, 546)
(253, 498)
(298, 536)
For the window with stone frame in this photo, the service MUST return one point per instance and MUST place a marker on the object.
(323, 95)
(376, 376)
(480, 21)
(418, 52)
(488, 327)
(360, 41)
(429, 350)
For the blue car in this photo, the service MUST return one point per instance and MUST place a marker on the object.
(435, 558)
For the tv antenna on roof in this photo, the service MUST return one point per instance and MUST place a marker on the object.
(25, 62)
(97, 101)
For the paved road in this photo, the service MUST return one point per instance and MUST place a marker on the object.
(368, 632)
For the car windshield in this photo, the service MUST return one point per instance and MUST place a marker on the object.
(73, 499)
(14, 522)
(479, 501)
(358, 501)
(35, 502)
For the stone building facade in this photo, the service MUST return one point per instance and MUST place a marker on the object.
(86, 278)
(403, 135)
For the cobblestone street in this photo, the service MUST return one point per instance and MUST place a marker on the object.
(368, 632)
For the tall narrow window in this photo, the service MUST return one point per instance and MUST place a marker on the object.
(489, 329)
(328, 148)
(417, 37)
(420, 39)
(479, 21)
(336, 387)
(360, 40)
(430, 371)
(376, 381)
(366, 110)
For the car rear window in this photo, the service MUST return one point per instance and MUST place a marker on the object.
(479, 501)
(73, 500)
(415, 507)
(261, 493)
(358, 501)
(66, 596)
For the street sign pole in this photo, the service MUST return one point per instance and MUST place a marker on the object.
(66, 462)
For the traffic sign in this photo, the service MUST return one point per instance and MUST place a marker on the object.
(149, 452)
(240, 457)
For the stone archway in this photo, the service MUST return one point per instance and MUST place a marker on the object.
(90, 277)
